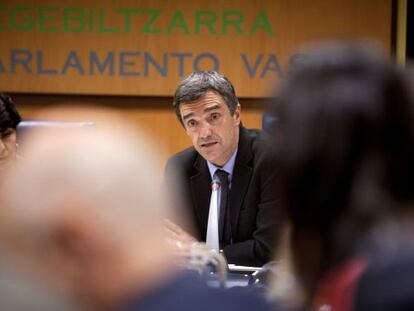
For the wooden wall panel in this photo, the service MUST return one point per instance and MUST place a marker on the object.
(59, 37)
(293, 23)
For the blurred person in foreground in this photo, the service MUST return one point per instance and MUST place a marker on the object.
(21, 290)
(9, 119)
(226, 153)
(345, 152)
(84, 211)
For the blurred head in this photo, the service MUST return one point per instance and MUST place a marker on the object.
(9, 119)
(90, 216)
(206, 104)
(21, 290)
(345, 146)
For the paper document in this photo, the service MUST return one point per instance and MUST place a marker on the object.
(233, 267)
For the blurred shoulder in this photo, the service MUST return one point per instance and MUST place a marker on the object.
(181, 163)
(183, 158)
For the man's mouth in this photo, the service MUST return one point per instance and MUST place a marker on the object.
(209, 144)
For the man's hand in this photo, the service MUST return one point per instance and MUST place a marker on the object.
(180, 241)
(177, 234)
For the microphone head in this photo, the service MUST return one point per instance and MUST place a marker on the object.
(215, 185)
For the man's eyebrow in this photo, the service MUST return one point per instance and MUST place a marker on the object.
(188, 115)
(216, 106)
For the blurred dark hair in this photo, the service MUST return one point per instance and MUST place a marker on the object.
(9, 117)
(345, 152)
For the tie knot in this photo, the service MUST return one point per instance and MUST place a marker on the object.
(222, 176)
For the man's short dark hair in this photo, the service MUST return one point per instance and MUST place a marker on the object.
(198, 83)
(9, 117)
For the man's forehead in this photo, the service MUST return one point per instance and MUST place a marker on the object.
(208, 101)
(201, 107)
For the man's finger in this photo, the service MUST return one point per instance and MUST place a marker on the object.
(173, 227)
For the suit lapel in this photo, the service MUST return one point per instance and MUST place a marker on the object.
(242, 173)
(200, 184)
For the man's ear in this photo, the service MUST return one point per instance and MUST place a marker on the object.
(187, 131)
(237, 115)
(65, 251)
(71, 236)
(76, 244)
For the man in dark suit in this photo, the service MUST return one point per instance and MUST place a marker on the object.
(207, 107)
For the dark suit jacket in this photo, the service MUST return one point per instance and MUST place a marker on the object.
(254, 213)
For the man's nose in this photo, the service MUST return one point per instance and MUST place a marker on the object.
(205, 130)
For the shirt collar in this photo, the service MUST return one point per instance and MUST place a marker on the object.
(228, 167)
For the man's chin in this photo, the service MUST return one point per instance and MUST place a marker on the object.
(211, 154)
(215, 160)
(209, 157)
